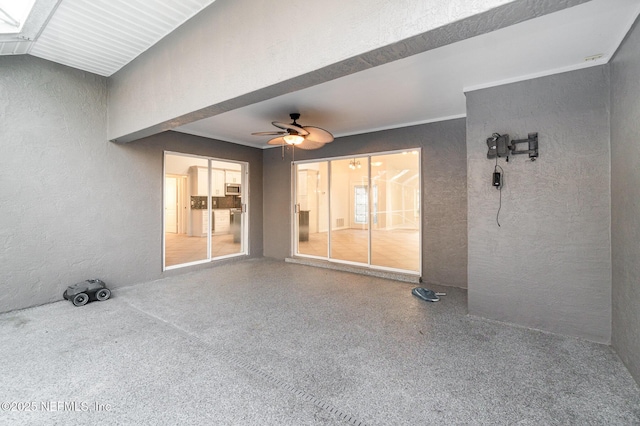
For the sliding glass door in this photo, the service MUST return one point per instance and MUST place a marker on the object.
(395, 235)
(205, 205)
(350, 210)
(363, 210)
(312, 205)
(183, 243)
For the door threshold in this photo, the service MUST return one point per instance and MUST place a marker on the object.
(391, 275)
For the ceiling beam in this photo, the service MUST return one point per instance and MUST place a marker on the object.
(179, 80)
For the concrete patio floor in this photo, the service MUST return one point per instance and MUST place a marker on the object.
(264, 342)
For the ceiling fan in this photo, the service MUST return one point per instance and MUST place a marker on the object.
(304, 137)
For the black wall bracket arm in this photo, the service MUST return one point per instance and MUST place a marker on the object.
(500, 146)
(532, 142)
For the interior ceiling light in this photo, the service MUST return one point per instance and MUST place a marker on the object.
(353, 164)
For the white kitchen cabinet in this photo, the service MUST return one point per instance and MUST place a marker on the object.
(199, 186)
(205, 222)
(232, 176)
(199, 222)
(199, 177)
(222, 221)
(217, 183)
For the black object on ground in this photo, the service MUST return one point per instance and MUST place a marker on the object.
(81, 293)
(425, 294)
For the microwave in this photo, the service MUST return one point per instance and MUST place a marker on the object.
(232, 189)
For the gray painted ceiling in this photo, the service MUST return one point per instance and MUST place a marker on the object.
(102, 36)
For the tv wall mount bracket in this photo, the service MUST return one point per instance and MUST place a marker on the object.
(500, 146)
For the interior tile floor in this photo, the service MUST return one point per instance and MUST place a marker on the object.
(264, 342)
(399, 248)
(181, 248)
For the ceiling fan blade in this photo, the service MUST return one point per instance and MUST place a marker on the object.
(307, 144)
(316, 134)
(276, 141)
(286, 126)
(274, 133)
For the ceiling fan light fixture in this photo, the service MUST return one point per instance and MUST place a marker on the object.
(303, 137)
(293, 139)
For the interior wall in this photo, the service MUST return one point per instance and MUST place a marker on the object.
(444, 189)
(625, 200)
(548, 266)
(73, 205)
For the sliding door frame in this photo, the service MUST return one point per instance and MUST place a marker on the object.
(244, 243)
(295, 251)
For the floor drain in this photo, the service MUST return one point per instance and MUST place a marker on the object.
(298, 392)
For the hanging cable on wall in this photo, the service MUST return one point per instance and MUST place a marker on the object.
(500, 147)
(497, 178)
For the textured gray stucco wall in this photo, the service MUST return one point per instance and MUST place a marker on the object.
(154, 146)
(236, 53)
(72, 204)
(444, 224)
(625, 200)
(548, 266)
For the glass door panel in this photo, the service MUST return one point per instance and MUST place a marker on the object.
(226, 216)
(186, 211)
(344, 212)
(349, 206)
(204, 212)
(395, 233)
(312, 199)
